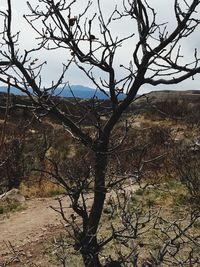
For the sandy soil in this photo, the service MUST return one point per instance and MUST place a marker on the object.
(26, 229)
(25, 235)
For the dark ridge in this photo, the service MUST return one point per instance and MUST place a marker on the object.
(77, 91)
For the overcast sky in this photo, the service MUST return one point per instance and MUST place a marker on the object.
(56, 58)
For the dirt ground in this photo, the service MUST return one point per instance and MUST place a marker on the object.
(27, 231)
(26, 235)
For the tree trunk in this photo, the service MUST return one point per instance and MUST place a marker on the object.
(92, 260)
(91, 251)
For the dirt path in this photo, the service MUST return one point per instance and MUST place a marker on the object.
(29, 229)
(28, 226)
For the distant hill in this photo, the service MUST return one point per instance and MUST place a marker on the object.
(189, 95)
(176, 92)
(78, 91)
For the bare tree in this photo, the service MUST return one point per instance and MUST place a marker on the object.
(155, 59)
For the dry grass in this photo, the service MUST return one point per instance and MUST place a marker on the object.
(170, 199)
(172, 203)
(43, 189)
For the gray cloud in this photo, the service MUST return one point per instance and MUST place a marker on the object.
(54, 59)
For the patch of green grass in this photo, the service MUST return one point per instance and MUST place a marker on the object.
(8, 206)
(56, 192)
(139, 192)
(197, 224)
(59, 250)
(150, 202)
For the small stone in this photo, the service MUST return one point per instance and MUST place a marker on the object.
(29, 255)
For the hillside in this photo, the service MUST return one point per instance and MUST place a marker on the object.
(162, 142)
(77, 91)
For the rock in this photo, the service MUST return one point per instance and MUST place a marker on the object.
(13, 194)
(29, 255)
